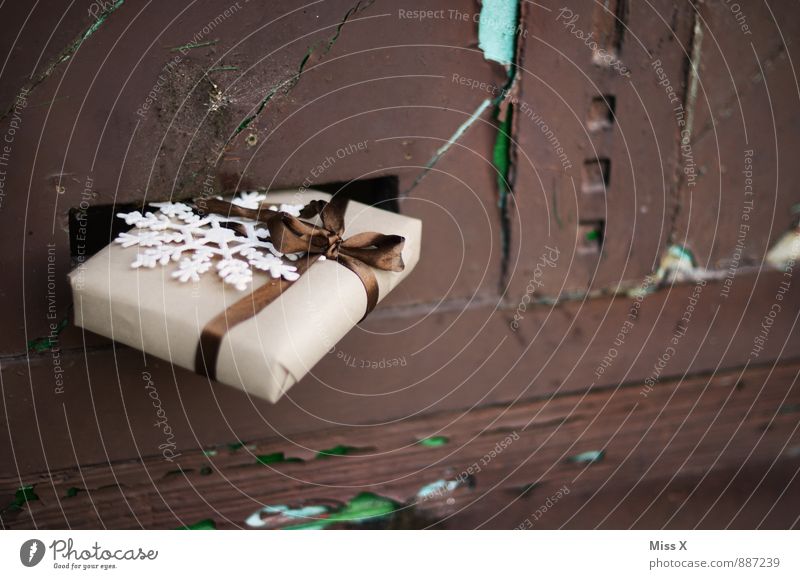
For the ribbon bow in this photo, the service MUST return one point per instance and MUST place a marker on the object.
(359, 253)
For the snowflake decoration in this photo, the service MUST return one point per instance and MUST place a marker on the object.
(232, 246)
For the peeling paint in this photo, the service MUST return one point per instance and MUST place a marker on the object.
(204, 525)
(433, 441)
(449, 143)
(678, 264)
(785, 253)
(256, 520)
(588, 457)
(275, 458)
(361, 508)
(192, 45)
(437, 488)
(45, 343)
(287, 84)
(24, 494)
(339, 450)
(497, 30)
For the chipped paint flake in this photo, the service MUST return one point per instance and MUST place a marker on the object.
(497, 29)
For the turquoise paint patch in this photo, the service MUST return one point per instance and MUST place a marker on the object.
(497, 28)
(589, 456)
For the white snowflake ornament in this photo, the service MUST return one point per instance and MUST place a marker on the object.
(174, 232)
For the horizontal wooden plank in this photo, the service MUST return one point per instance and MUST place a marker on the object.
(491, 466)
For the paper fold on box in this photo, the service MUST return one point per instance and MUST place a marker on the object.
(265, 355)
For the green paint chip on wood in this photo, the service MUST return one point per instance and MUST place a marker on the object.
(204, 525)
(276, 457)
(338, 450)
(433, 441)
(363, 507)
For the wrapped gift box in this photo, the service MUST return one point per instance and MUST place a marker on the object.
(132, 292)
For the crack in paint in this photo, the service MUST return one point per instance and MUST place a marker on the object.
(459, 132)
(692, 81)
(192, 45)
(69, 51)
(289, 83)
(497, 18)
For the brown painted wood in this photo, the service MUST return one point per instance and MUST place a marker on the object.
(741, 425)
(106, 410)
(393, 82)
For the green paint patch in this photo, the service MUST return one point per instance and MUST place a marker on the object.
(210, 452)
(99, 21)
(275, 458)
(588, 457)
(361, 508)
(193, 45)
(67, 53)
(339, 450)
(789, 409)
(433, 441)
(24, 494)
(204, 525)
(47, 343)
(501, 159)
(206, 470)
(72, 492)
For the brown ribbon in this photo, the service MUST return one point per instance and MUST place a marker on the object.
(358, 253)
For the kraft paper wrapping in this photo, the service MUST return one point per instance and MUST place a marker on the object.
(149, 310)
